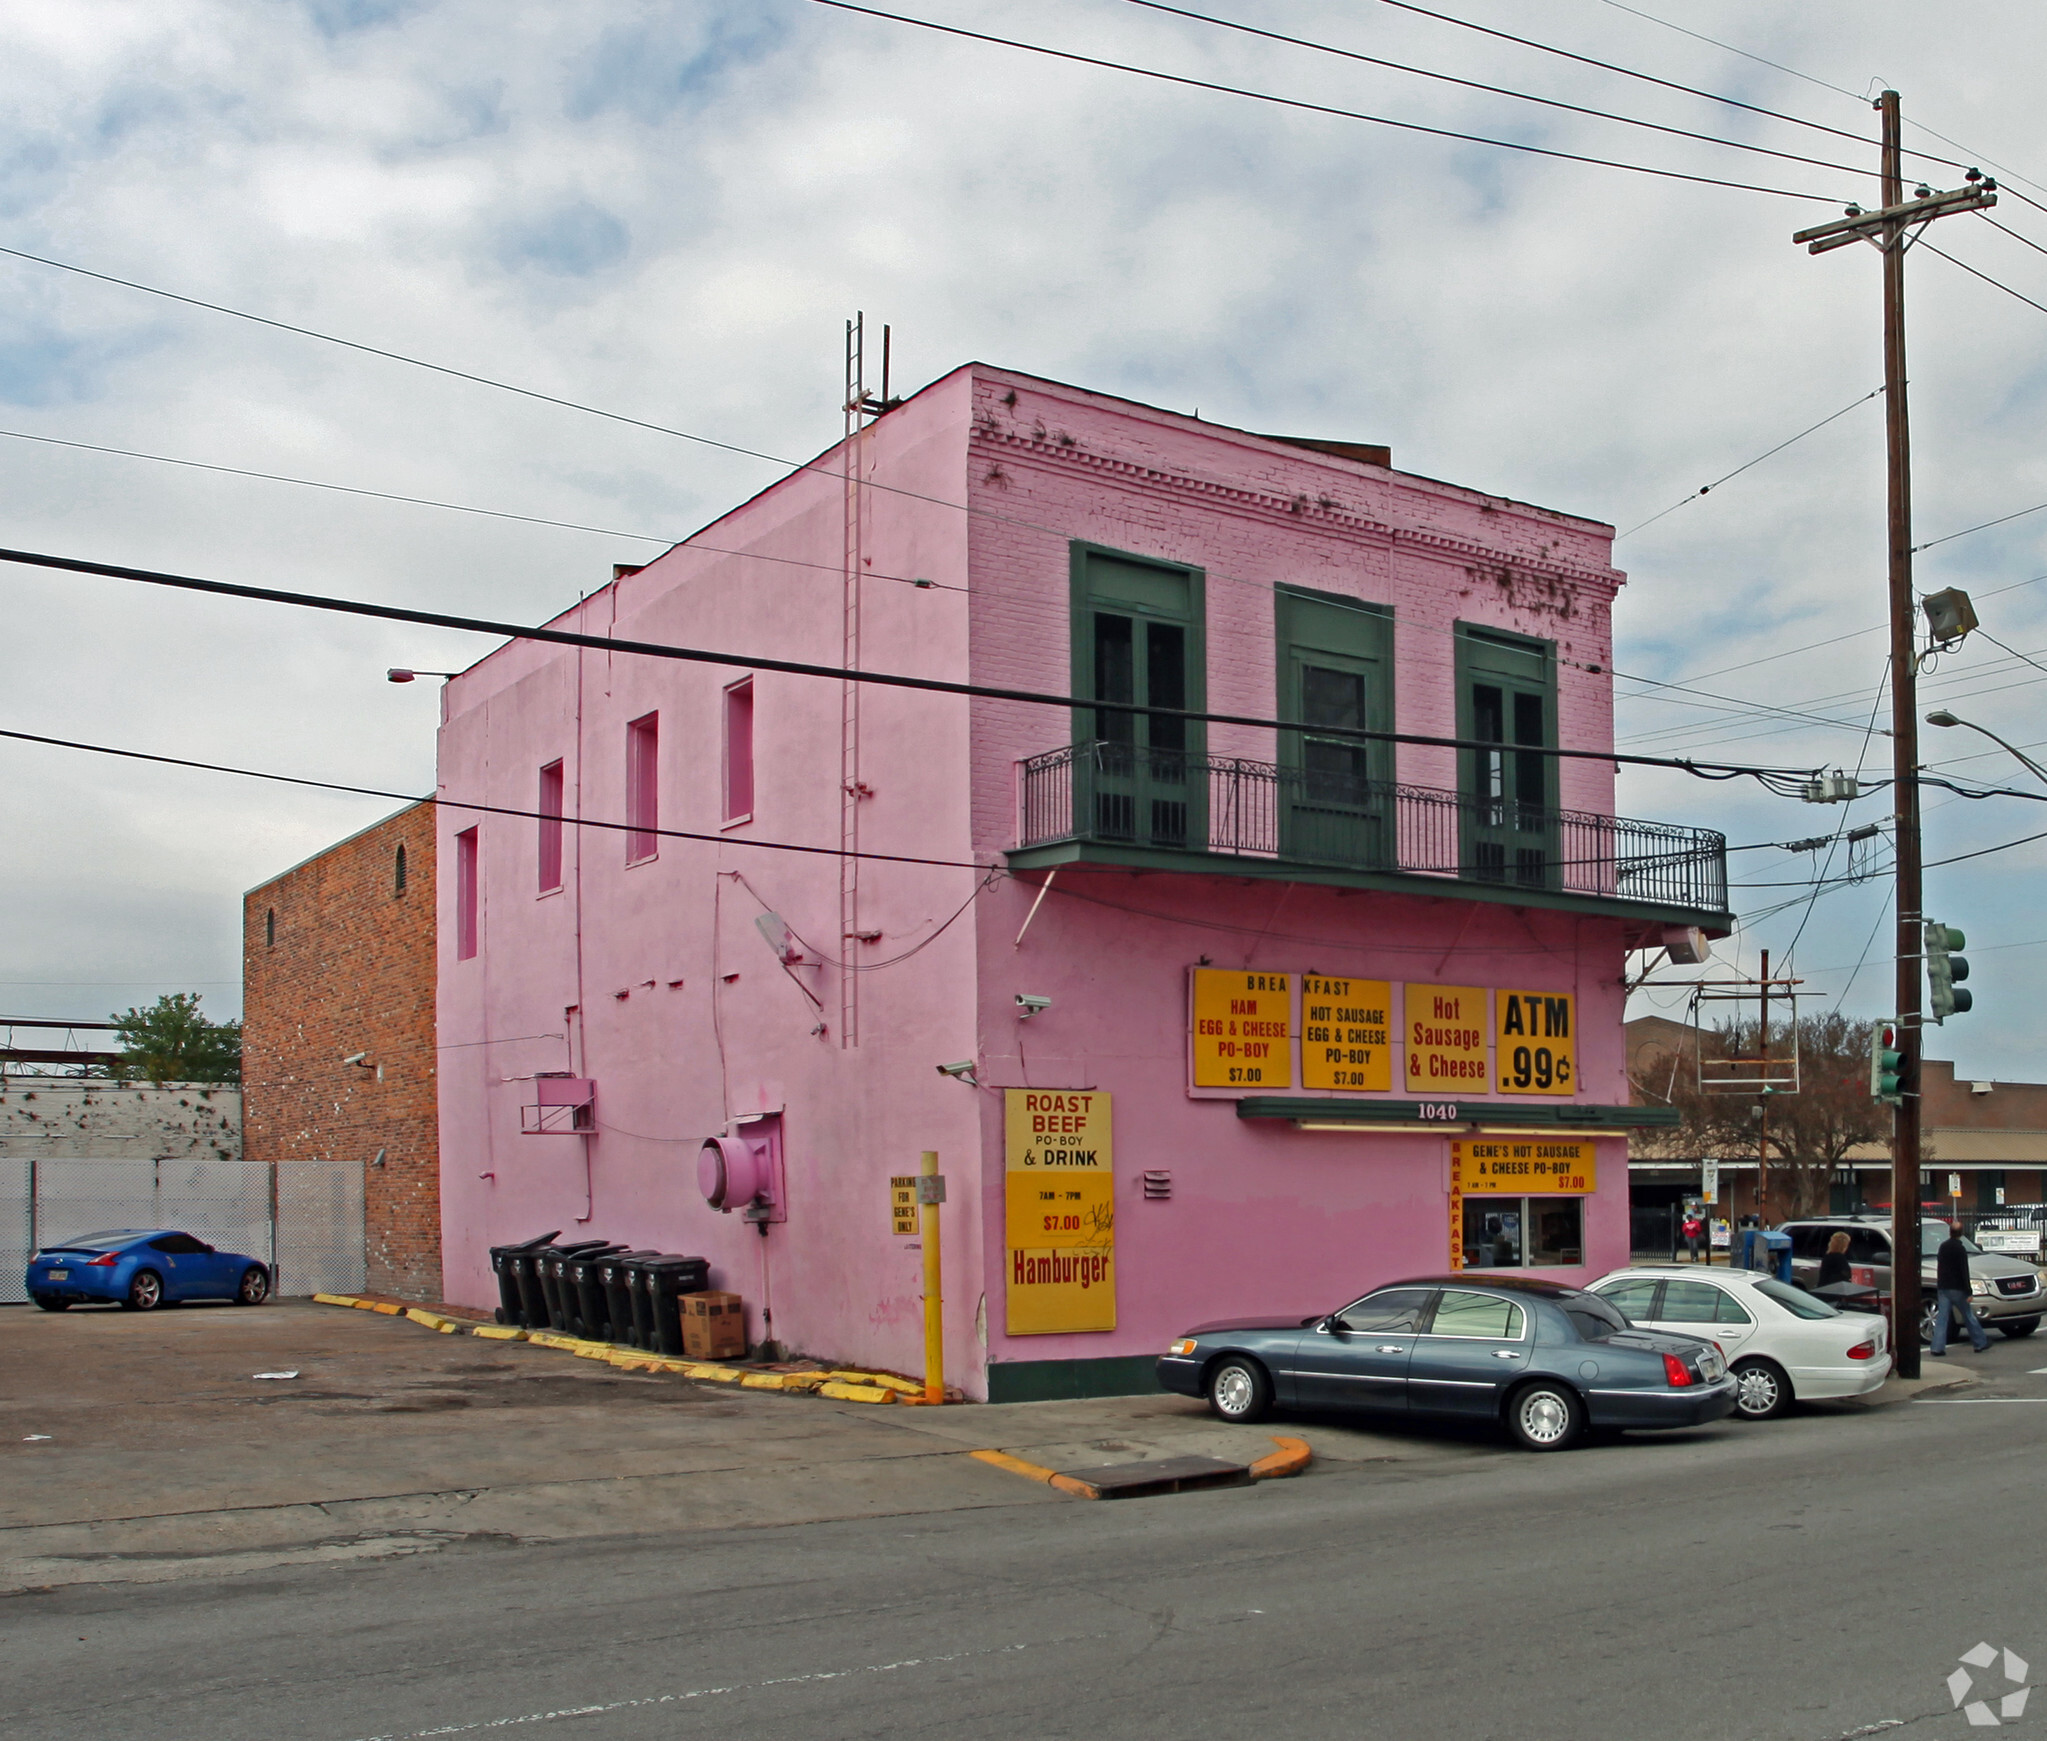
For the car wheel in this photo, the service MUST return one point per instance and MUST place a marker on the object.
(2016, 1327)
(1545, 1417)
(255, 1288)
(50, 1303)
(145, 1292)
(1238, 1390)
(1927, 1314)
(1761, 1389)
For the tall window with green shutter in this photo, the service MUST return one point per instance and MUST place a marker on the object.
(1335, 671)
(1507, 702)
(1138, 637)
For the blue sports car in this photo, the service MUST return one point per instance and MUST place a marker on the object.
(140, 1270)
(1544, 1360)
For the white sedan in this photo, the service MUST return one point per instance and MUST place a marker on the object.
(1782, 1345)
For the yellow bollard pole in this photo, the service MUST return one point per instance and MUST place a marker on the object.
(930, 1195)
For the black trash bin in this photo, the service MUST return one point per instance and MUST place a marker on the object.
(583, 1294)
(551, 1259)
(532, 1298)
(504, 1263)
(663, 1281)
(616, 1280)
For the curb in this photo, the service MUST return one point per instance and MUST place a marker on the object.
(1291, 1458)
(841, 1384)
(1173, 1475)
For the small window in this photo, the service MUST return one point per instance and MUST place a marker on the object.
(739, 751)
(1634, 1299)
(179, 1245)
(1390, 1309)
(398, 872)
(1690, 1303)
(1593, 1318)
(642, 787)
(1731, 1310)
(270, 929)
(1462, 1314)
(549, 855)
(465, 895)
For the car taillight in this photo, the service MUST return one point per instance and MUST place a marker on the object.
(106, 1261)
(1676, 1372)
(1863, 1350)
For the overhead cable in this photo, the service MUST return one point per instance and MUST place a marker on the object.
(1784, 780)
(1181, 79)
(1495, 90)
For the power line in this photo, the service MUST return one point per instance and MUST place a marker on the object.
(1493, 90)
(1078, 59)
(1785, 780)
(1703, 489)
(1994, 283)
(1631, 73)
(29, 737)
(685, 543)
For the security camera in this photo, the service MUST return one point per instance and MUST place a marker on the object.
(1031, 1005)
(355, 1057)
(963, 1070)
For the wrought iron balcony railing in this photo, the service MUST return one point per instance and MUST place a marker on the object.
(1117, 794)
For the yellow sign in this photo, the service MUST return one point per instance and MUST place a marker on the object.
(1346, 1033)
(1446, 1039)
(1525, 1166)
(1241, 1032)
(902, 1202)
(1535, 1047)
(1457, 1206)
(1059, 1191)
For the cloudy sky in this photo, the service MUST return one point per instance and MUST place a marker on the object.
(668, 210)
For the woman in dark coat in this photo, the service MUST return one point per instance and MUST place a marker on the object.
(1834, 1266)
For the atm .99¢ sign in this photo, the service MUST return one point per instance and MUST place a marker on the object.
(1534, 1047)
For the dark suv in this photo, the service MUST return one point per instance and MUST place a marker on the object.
(2006, 1291)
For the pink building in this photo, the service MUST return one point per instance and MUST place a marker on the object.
(1202, 1018)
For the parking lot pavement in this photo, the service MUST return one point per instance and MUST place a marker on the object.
(142, 1446)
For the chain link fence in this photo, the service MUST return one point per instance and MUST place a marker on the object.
(306, 1223)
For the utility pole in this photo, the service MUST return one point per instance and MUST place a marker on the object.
(1891, 230)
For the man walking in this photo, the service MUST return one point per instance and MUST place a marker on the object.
(1951, 1294)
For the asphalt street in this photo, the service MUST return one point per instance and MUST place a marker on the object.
(1811, 1578)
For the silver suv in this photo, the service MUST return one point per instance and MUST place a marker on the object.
(2006, 1291)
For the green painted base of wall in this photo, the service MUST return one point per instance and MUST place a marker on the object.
(1060, 1380)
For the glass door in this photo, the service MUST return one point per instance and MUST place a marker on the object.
(1335, 794)
(1507, 701)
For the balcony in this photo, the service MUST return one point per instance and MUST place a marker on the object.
(1110, 803)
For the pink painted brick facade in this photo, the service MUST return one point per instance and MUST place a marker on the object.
(654, 980)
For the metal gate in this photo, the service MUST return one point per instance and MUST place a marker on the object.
(307, 1224)
(319, 1227)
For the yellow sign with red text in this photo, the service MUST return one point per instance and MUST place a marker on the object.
(1446, 1034)
(1525, 1166)
(1242, 1032)
(1059, 1207)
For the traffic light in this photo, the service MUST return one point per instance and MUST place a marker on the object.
(1886, 1065)
(1944, 971)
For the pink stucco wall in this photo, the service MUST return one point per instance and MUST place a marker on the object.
(653, 979)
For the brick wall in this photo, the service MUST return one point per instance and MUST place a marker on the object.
(338, 960)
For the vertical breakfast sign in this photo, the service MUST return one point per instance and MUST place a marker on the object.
(1059, 1189)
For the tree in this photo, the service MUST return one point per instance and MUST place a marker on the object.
(172, 1042)
(1810, 1132)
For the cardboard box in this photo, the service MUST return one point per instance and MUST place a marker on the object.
(713, 1326)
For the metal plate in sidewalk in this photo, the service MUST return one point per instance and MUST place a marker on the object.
(1160, 1475)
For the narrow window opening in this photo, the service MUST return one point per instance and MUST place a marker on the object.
(550, 840)
(270, 929)
(642, 787)
(465, 894)
(398, 873)
(739, 751)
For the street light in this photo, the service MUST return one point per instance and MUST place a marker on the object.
(1941, 716)
(402, 674)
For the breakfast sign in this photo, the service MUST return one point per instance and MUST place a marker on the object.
(1375, 1036)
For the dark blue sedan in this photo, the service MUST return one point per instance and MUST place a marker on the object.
(1544, 1360)
(141, 1269)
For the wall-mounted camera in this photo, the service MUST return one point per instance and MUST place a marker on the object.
(1031, 1005)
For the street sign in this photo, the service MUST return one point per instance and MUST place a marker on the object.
(1709, 1182)
(1954, 1184)
(902, 1203)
